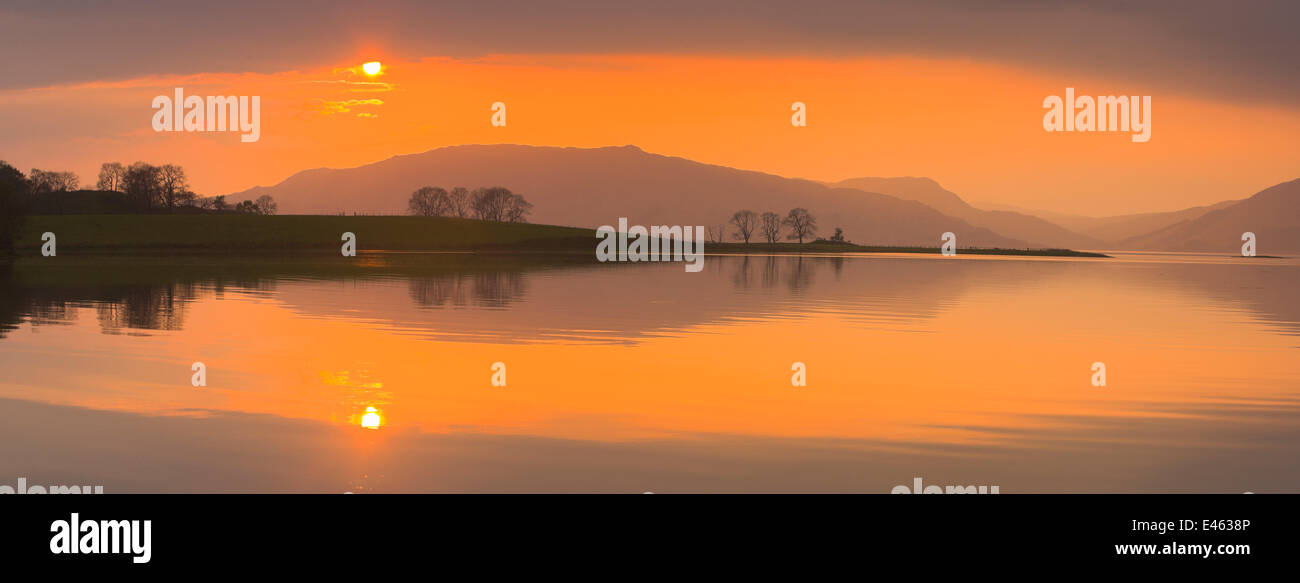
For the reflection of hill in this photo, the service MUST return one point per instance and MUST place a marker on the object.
(1265, 290)
(626, 303)
(120, 307)
(151, 293)
(545, 298)
(498, 298)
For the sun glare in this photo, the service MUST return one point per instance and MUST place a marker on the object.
(371, 68)
(371, 419)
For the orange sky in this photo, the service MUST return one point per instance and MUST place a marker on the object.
(976, 127)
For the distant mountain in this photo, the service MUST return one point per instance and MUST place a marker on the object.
(1038, 232)
(1273, 214)
(1113, 230)
(589, 187)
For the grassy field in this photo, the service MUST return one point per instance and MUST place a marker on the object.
(251, 233)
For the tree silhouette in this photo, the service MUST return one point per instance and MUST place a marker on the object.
(461, 202)
(770, 227)
(497, 203)
(745, 221)
(141, 185)
(802, 224)
(110, 176)
(266, 205)
(46, 182)
(429, 201)
(171, 184)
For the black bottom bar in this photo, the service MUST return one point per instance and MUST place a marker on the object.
(734, 533)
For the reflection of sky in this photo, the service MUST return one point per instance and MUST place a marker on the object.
(971, 368)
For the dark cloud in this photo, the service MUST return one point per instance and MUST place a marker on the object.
(1242, 51)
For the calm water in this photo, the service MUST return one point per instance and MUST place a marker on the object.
(633, 378)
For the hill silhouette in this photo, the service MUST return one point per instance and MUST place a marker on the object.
(589, 187)
(1273, 214)
(1038, 232)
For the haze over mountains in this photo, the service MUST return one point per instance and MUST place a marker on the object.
(589, 187)
(1038, 232)
(1272, 214)
(1117, 229)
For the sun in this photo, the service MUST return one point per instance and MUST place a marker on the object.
(372, 68)
(372, 419)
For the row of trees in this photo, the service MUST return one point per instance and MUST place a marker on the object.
(769, 225)
(147, 186)
(494, 203)
(166, 187)
(140, 187)
(44, 181)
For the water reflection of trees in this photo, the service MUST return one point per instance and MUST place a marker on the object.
(146, 308)
(42, 297)
(795, 272)
(491, 289)
(46, 313)
(119, 307)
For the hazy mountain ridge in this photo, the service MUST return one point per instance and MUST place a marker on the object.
(1273, 214)
(1115, 229)
(1039, 232)
(589, 187)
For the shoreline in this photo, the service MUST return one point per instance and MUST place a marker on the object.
(203, 234)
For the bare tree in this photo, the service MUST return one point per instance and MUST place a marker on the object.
(770, 227)
(490, 202)
(142, 185)
(716, 233)
(745, 221)
(517, 208)
(802, 224)
(40, 181)
(45, 182)
(110, 176)
(462, 204)
(497, 203)
(429, 201)
(419, 203)
(266, 205)
(171, 183)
